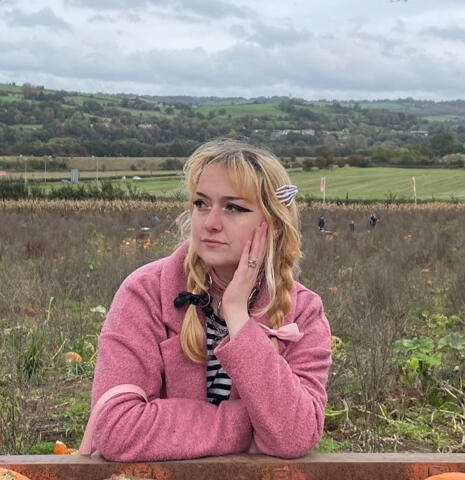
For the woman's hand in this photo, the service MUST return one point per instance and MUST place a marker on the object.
(236, 295)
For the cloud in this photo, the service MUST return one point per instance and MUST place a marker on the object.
(111, 18)
(318, 65)
(187, 10)
(269, 36)
(214, 9)
(233, 47)
(455, 34)
(44, 17)
(110, 4)
(100, 18)
(387, 45)
(132, 17)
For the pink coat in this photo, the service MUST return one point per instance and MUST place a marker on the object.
(278, 400)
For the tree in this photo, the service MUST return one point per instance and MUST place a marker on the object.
(307, 163)
(443, 143)
(32, 92)
(171, 164)
(325, 157)
(358, 142)
(381, 155)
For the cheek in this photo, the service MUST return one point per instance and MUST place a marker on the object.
(245, 234)
(195, 221)
(195, 229)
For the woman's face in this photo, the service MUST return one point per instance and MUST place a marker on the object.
(222, 221)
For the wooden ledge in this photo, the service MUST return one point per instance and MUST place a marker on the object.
(316, 466)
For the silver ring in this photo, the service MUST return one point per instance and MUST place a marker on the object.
(252, 263)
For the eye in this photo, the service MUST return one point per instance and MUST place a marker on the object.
(232, 207)
(200, 204)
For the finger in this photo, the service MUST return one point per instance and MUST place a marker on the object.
(245, 254)
(261, 243)
(256, 241)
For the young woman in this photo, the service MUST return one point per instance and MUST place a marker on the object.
(229, 351)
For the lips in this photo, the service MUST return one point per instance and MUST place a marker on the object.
(212, 242)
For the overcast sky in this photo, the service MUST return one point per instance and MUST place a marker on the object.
(343, 49)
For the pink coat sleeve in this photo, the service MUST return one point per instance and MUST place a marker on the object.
(284, 394)
(128, 428)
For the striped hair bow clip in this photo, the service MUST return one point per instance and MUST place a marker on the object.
(286, 194)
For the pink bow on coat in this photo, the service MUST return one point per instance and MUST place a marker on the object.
(289, 332)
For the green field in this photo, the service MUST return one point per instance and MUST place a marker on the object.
(253, 109)
(442, 118)
(10, 99)
(105, 163)
(359, 183)
(27, 126)
(10, 88)
(374, 183)
(387, 105)
(380, 183)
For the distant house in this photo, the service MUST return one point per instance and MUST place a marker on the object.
(308, 131)
(281, 133)
(278, 133)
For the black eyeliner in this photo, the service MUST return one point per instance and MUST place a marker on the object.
(242, 209)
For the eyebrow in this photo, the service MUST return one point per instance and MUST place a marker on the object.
(223, 198)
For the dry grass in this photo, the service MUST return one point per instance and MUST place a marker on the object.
(60, 259)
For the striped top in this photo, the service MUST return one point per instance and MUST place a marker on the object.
(218, 382)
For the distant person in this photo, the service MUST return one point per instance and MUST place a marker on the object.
(155, 219)
(373, 220)
(321, 223)
(352, 226)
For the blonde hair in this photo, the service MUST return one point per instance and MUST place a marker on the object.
(255, 174)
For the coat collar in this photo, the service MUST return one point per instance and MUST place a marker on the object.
(173, 281)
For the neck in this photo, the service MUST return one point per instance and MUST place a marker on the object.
(218, 283)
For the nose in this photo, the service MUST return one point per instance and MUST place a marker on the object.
(213, 220)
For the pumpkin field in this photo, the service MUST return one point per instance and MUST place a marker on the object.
(394, 295)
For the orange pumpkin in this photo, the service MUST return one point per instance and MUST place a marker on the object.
(448, 476)
(6, 474)
(61, 449)
(70, 357)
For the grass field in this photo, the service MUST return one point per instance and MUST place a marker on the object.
(108, 163)
(379, 183)
(442, 118)
(10, 88)
(387, 105)
(27, 126)
(269, 109)
(115, 102)
(91, 175)
(10, 99)
(374, 183)
(360, 183)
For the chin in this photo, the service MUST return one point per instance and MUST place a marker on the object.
(216, 261)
